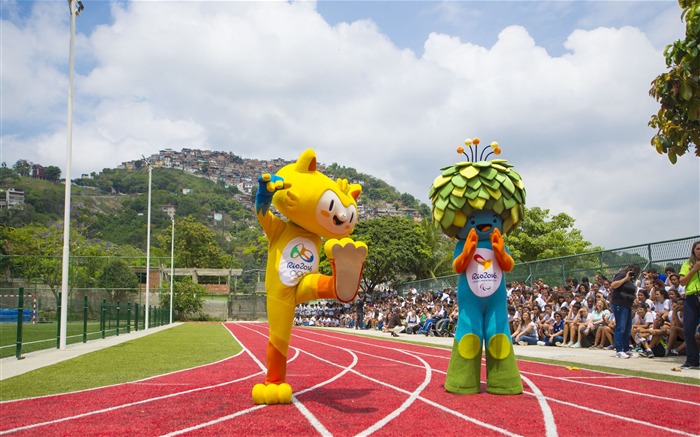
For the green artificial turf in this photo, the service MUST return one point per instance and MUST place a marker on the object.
(177, 348)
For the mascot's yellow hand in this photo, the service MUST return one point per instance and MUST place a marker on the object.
(274, 183)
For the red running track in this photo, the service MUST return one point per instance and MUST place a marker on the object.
(346, 385)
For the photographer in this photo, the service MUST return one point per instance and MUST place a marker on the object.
(622, 299)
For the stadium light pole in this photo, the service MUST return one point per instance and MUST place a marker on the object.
(172, 263)
(148, 243)
(74, 6)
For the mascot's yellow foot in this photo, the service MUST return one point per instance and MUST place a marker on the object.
(347, 258)
(272, 394)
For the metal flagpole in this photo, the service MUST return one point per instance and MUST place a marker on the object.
(75, 7)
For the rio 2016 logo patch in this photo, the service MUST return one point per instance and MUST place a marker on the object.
(484, 275)
(299, 258)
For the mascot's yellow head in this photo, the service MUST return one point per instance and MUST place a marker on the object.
(314, 202)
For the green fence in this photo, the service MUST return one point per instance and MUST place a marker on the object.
(555, 271)
(36, 324)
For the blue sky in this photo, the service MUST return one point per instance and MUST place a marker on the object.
(389, 88)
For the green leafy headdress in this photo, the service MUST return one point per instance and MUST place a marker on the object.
(473, 185)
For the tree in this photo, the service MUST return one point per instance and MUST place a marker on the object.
(195, 245)
(118, 279)
(541, 236)
(52, 173)
(678, 91)
(7, 175)
(441, 250)
(187, 298)
(398, 247)
(37, 255)
(23, 167)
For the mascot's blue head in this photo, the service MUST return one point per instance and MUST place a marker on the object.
(483, 222)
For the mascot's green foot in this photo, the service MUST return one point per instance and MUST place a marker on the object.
(347, 258)
(272, 394)
(502, 374)
(464, 374)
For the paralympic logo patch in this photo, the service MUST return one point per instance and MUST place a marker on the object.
(483, 274)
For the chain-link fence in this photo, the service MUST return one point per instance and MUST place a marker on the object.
(555, 271)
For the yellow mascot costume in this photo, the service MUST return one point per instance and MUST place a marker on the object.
(315, 207)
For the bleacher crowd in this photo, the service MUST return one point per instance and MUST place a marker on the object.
(576, 314)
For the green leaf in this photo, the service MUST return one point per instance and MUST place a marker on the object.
(686, 91)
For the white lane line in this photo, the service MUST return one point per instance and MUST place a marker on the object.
(130, 404)
(550, 426)
(621, 390)
(410, 394)
(664, 429)
(404, 406)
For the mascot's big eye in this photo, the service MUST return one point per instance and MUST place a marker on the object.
(330, 207)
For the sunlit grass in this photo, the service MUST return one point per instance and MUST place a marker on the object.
(182, 347)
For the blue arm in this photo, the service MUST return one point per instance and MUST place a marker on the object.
(268, 184)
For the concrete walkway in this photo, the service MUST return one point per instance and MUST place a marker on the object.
(11, 366)
(582, 357)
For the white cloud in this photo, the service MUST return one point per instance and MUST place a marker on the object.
(268, 79)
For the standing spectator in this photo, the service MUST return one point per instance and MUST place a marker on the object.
(690, 279)
(623, 292)
(360, 314)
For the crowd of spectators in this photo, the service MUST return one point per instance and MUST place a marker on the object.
(418, 312)
(576, 314)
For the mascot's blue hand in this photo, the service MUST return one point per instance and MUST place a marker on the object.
(268, 184)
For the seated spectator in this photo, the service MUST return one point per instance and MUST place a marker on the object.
(395, 326)
(553, 335)
(527, 331)
(662, 306)
(676, 334)
(599, 317)
(582, 320)
(428, 325)
(412, 322)
(674, 284)
(511, 317)
(569, 325)
(643, 297)
(606, 332)
(641, 329)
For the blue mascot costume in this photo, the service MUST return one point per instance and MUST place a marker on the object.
(476, 201)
